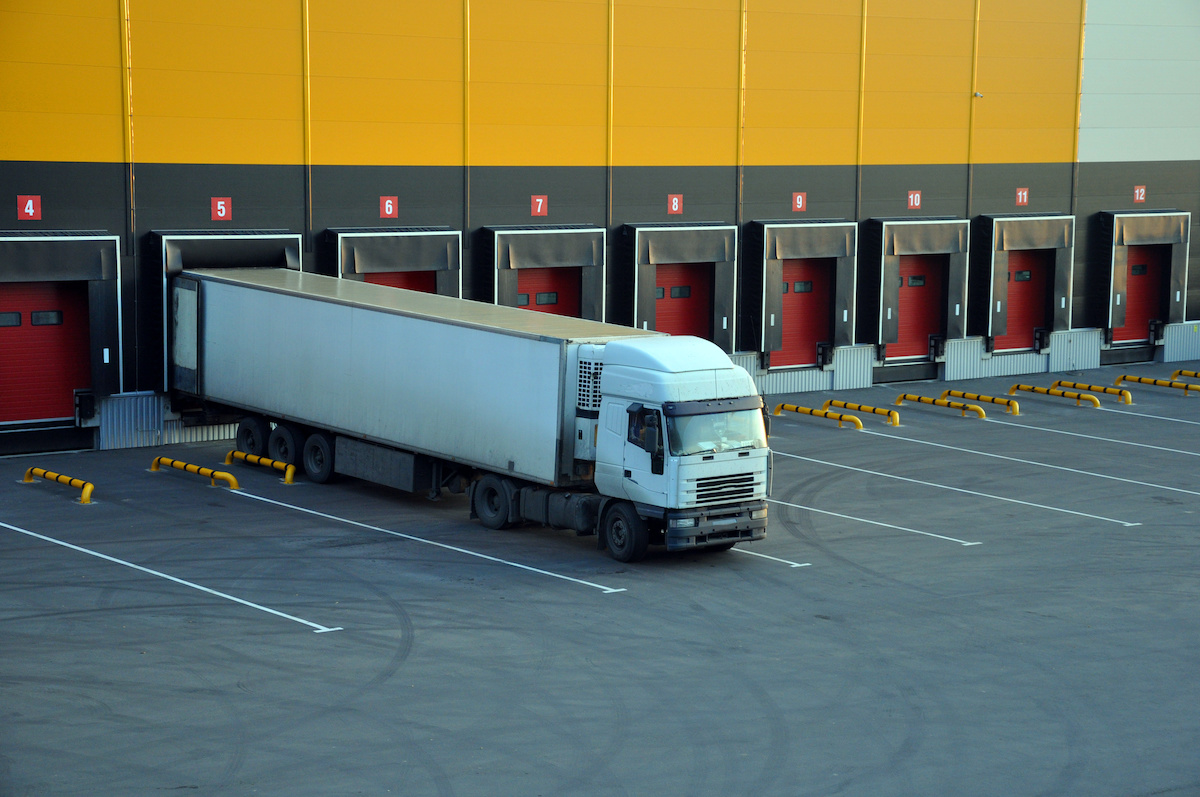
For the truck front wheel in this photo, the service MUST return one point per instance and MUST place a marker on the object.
(626, 533)
(490, 502)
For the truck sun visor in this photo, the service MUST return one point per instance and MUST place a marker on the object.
(717, 405)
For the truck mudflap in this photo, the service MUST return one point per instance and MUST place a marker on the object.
(715, 525)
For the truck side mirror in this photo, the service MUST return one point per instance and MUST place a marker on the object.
(653, 442)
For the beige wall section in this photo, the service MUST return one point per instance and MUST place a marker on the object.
(539, 85)
(918, 81)
(802, 59)
(386, 82)
(1028, 76)
(675, 97)
(60, 81)
(217, 82)
(1141, 81)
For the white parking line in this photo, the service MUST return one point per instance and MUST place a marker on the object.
(1093, 437)
(1146, 415)
(601, 587)
(317, 628)
(872, 522)
(773, 558)
(1037, 464)
(956, 489)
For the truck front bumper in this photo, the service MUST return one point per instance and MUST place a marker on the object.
(715, 525)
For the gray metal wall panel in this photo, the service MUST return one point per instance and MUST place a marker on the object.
(799, 380)
(747, 361)
(1075, 349)
(176, 432)
(132, 420)
(384, 377)
(1180, 342)
(964, 359)
(852, 367)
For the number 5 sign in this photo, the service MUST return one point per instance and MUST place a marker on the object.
(222, 208)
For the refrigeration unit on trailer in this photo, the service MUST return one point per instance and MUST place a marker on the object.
(635, 436)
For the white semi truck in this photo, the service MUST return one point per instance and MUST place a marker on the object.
(635, 436)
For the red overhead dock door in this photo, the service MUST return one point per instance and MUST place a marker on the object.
(1028, 297)
(922, 305)
(683, 304)
(807, 310)
(1145, 292)
(550, 290)
(424, 281)
(44, 349)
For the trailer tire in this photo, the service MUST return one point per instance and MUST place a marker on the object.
(317, 457)
(626, 533)
(252, 434)
(284, 443)
(490, 502)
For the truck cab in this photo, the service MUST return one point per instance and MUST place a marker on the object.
(681, 435)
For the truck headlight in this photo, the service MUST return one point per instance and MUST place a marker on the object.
(684, 522)
(758, 513)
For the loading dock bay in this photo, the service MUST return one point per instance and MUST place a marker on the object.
(952, 606)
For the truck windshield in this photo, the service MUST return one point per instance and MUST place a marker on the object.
(720, 431)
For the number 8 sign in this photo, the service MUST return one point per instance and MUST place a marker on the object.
(674, 204)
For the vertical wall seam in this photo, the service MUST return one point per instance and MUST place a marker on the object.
(862, 110)
(743, 31)
(975, 97)
(466, 35)
(1078, 109)
(608, 132)
(127, 126)
(306, 76)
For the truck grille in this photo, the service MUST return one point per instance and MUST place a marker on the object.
(726, 489)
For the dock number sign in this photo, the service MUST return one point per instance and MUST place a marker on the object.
(29, 207)
(222, 208)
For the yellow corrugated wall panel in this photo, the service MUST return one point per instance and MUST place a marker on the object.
(386, 82)
(217, 82)
(539, 72)
(60, 83)
(802, 82)
(1028, 72)
(918, 81)
(675, 82)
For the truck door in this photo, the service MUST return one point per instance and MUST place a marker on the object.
(645, 481)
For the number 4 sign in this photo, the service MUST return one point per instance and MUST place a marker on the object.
(29, 207)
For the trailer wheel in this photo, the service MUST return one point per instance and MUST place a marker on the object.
(284, 442)
(318, 457)
(490, 502)
(252, 433)
(626, 533)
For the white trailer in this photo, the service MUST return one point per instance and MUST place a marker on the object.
(632, 435)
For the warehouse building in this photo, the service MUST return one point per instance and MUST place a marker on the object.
(836, 192)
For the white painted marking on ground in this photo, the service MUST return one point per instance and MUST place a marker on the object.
(1037, 464)
(773, 558)
(317, 628)
(1094, 437)
(1147, 415)
(956, 489)
(456, 549)
(872, 522)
